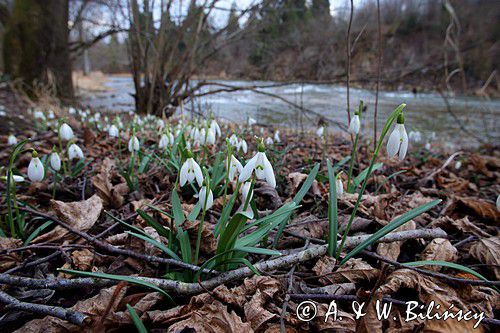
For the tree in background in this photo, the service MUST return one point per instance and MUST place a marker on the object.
(35, 45)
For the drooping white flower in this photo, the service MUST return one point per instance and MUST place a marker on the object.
(458, 165)
(215, 127)
(164, 142)
(71, 110)
(320, 131)
(242, 145)
(17, 178)
(12, 140)
(75, 152)
(427, 146)
(339, 186)
(498, 203)
(210, 137)
(233, 140)
(66, 132)
(355, 125)
(51, 114)
(36, 171)
(190, 171)
(55, 161)
(235, 168)
(251, 121)
(398, 140)
(160, 124)
(415, 136)
(262, 167)
(202, 196)
(245, 192)
(277, 137)
(133, 144)
(39, 115)
(269, 141)
(113, 131)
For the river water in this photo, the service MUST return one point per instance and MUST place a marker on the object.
(426, 112)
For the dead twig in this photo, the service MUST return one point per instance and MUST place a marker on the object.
(73, 317)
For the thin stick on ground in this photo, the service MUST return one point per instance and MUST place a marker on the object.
(73, 317)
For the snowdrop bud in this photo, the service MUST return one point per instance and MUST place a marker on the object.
(190, 171)
(164, 142)
(320, 131)
(39, 115)
(269, 141)
(133, 144)
(55, 161)
(215, 126)
(202, 197)
(65, 132)
(210, 137)
(277, 137)
(398, 140)
(355, 124)
(12, 140)
(458, 165)
(243, 146)
(339, 186)
(75, 152)
(113, 131)
(36, 171)
(428, 146)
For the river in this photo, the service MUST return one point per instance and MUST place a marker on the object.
(426, 112)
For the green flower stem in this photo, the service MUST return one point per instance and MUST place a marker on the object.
(200, 227)
(351, 162)
(386, 128)
(65, 170)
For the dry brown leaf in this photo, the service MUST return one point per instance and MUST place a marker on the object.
(393, 249)
(477, 207)
(152, 250)
(354, 270)
(297, 179)
(462, 225)
(111, 195)
(487, 251)
(93, 307)
(439, 249)
(82, 259)
(81, 215)
(9, 260)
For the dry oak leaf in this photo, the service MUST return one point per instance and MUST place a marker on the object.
(439, 249)
(93, 307)
(81, 215)
(477, 207)
(462, 225)
(9, 260)
(82, 259)
(112, 195)
(354, 270)
(487, 251)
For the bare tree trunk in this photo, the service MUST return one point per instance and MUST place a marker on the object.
(36, 45)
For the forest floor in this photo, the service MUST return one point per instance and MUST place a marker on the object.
(88, 227)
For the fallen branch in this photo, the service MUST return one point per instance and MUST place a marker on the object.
(183, 288)
(12, 303)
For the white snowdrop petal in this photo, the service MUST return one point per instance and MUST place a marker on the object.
(35, 170)
(404, 143)
(393, 143)
(269, 172)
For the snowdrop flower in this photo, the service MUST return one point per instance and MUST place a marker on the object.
(55, 161)
(242, 145)
(233, 140)
(202, 197)
(35, 168)
(235, 168)
(339, 186)
(18, 179)
(164, 141)
(215, 127)
(113, 131)
(51, 114)
(415, 136)
(190, 171)
(245, 189)
(210, 137)
(133, 144)
(320, 131)
(261, 165)
(428, 146)
(355, 124)
(71, 110)
(75, 152)
(39, 115)
(458, 165)
(498, 202)
(269, 141)
(277, 137)
(398, 140)
(160, 124)
(251, 121)
(12, 140)
(65, 132)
